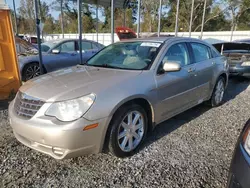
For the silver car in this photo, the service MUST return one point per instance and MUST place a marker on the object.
(57, 54)
(112, 101)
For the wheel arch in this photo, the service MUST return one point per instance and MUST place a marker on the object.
(30, 62)
(141, 100)
(224, 75)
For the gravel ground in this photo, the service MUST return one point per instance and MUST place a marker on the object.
(193, 149)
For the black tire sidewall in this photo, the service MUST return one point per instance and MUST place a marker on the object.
(24, 78)
(114, 126)
(213, 101)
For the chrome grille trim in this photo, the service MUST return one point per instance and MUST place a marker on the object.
(26, 106)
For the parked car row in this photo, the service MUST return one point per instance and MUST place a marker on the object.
(57, 54)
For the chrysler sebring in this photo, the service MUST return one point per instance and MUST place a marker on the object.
(114, 99)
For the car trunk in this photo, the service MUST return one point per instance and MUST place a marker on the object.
(236, 52)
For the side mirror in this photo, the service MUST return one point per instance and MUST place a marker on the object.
(55, 51)
(171, 66)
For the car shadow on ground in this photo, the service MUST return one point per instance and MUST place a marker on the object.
(236, 85)
(4, 105)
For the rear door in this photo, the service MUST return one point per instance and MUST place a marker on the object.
(204, 66)
(88, 50)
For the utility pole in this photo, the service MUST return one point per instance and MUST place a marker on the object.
(191, 19)
(139, 18)
(177, 17)
(14, 7)
(79, 3)
(159, 21)
(97, 21)
(38, 37)
(112, 21)
(203, 18)
(62, 19)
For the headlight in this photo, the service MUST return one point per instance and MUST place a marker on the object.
(246, 63)
(72, 109)
(246, 139)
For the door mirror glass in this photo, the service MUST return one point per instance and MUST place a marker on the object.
(55, 51)
(171, 66)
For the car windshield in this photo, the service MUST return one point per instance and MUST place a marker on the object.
(46, 46)
(126, 55)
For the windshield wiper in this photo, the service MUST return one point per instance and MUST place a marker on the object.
(83, 63)
(105, 66)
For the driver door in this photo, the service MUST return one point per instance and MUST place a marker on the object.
(65, 56)
(176, 90)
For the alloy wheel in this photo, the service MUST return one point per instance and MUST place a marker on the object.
(131, 131)
(32, 71)
(219, 93)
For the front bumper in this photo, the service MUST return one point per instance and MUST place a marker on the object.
(58, 139)
(239, 70)
(239, 176)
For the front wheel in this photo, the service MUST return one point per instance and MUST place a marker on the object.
(218, 93)
(128, 130)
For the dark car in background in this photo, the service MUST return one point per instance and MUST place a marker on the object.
(243, 40)
(238, 54)
(57, 54)
(239, 175)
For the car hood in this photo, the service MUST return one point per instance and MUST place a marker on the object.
(75, 82)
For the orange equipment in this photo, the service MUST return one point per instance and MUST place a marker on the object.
(9, 71)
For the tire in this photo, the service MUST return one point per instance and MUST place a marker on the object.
(30, 71)
(127, 144)
(218, 92)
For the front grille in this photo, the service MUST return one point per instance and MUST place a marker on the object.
(27, 106)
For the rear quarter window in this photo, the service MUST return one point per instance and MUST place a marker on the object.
(215, 53)
(201, 52)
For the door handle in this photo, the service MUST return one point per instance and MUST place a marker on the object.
(213, 63)
(73, 54)
(190, 70)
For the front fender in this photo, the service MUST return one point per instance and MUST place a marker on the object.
(122, 102)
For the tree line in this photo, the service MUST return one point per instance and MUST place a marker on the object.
(220, 15)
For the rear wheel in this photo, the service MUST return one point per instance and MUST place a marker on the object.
(128, 130)
(30, 71)
(218, 93)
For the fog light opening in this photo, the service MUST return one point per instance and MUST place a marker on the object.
(58, 151)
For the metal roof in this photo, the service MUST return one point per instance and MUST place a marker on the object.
(149, 39)
(107, 3)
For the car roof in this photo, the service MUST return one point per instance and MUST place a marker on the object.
(65, 40)
(165, 39)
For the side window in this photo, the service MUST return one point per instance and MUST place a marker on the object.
(201, 52)
(177, 53)
(67, 47)
(94, 45)
(215, 53)
(86, 45)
